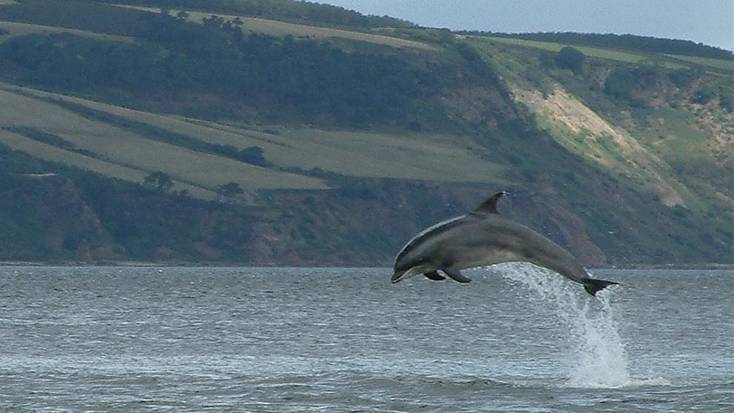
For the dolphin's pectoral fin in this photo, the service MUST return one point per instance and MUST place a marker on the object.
(456, 275)
(434, 275)
(593, 286)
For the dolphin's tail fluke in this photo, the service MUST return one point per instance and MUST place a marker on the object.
(593, 286)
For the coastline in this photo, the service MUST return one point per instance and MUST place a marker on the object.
(184, 264)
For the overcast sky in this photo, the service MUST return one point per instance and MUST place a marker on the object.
(706, 21)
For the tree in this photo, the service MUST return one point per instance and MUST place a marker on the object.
(229, 190)
(253, 155)
(159, 180)
(570, 58)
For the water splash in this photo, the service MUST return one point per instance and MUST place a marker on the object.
(598, 357)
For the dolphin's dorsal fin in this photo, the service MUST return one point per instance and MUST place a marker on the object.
(489, 206)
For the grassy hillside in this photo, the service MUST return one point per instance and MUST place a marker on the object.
(281, 28)
(649, 130)
(313, 13)
(121, 150)
(314, 140)
(611, 54)
(671, 61)
(629, 42)
(9, 30)
(117, 142)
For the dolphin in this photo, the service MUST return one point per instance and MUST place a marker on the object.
(480, 238)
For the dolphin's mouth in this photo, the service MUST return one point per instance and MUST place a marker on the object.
(397, 276)
(401, 275)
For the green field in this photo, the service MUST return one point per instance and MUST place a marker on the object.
(119, 147)
(596, 52)
(128, 154)
(15, 29)
(103, 167)
(722, 64)
(279, 28)
(618, 55)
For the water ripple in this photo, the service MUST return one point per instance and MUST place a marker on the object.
(346, 340)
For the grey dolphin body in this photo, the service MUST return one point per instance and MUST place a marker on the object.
(480, 238)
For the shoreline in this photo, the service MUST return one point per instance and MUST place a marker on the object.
(181, 264)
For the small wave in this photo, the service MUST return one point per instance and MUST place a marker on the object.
(657, 381)
(597, 356)
(370, 379)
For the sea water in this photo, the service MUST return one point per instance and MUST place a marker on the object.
(518, 338)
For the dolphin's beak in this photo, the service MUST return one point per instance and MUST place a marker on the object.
(397, 276)
(401, 275)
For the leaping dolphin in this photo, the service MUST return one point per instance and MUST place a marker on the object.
(484, 237)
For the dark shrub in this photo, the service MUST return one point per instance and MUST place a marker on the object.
(570, 58)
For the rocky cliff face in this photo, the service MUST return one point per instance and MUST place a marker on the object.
(53, 206)
(364, 224)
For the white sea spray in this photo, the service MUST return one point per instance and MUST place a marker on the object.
(597, 357)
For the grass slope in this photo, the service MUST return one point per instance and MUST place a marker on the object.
(116, 146)
(678, 150)
(582, 131)
(279, 28)
(15, 29)
(727, 65)
(625, 56)
(358, 154)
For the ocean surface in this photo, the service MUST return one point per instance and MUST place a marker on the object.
(516, 339)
